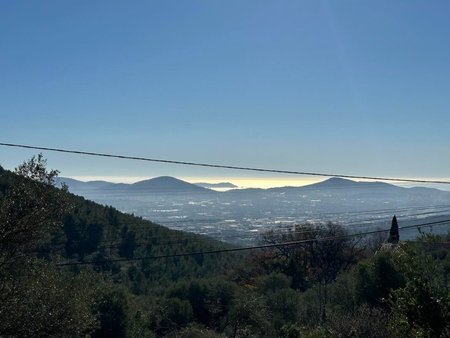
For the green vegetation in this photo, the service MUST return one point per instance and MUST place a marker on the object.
(342, 287)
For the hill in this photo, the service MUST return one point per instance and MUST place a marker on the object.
(337, 185)
(72, 267)
(337, 182)
(165, 184)
(76, 184)
(94, 232)
(157, 185)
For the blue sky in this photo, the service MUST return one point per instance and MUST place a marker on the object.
(352, 87)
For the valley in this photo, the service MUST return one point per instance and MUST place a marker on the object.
(240, 216)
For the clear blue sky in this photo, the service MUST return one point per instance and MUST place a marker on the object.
(356, 87)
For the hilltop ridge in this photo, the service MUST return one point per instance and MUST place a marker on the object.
(161, 184)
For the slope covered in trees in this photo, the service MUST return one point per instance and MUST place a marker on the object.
(43, 227)
(342, 287)
(90, 232)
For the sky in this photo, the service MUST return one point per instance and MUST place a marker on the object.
(348, 87)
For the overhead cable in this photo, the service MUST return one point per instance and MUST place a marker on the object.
(248, 248)
(221, 166)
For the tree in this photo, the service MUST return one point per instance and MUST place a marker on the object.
(313, 261)
(210, 299)
(421, 308)
(43, 302)
(321, 260)
(178, 312)
(394, 236)
(249, 316)
(36, 298)
(376, 279)
(128, 244)
(30, 212)
(364, 322)
(112, 309)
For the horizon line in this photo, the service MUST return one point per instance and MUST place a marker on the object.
(240, 182)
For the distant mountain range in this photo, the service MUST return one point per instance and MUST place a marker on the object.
(162, 184)
(169, 185)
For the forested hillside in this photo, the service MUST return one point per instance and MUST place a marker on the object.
(71, 267)
(90, 228)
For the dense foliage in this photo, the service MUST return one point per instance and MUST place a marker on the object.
(342, 287)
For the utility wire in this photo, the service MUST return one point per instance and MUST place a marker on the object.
(366, 222)
(209, 165)
(287, 231)
(288, 225)
(248, 248)
(171, 241)
(294, 229)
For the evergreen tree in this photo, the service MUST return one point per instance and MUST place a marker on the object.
(393, 233)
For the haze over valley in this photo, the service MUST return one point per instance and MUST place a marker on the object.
(240, 216)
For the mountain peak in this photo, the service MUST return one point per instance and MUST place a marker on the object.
(337, 181)
(163, 179)
(166, 184)
(340, 182)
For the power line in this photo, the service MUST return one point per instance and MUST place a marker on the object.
(329, 216)
(319, 219)
(248, 248)
(322, 217)
(209, 165)
(168, 241)
(182, 238)
(159, 241)
(286, 229)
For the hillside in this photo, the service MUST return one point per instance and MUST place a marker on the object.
(94, 232)
(122, 284)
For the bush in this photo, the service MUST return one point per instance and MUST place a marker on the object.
(365, 322)
(422, 307)
(178, 311)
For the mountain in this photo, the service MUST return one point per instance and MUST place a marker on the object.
(75, 184)
(157, 185)
(165, 184)
(226, 185)
(338, 194)
(336, 184)
(342, 183)
(171, 185)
